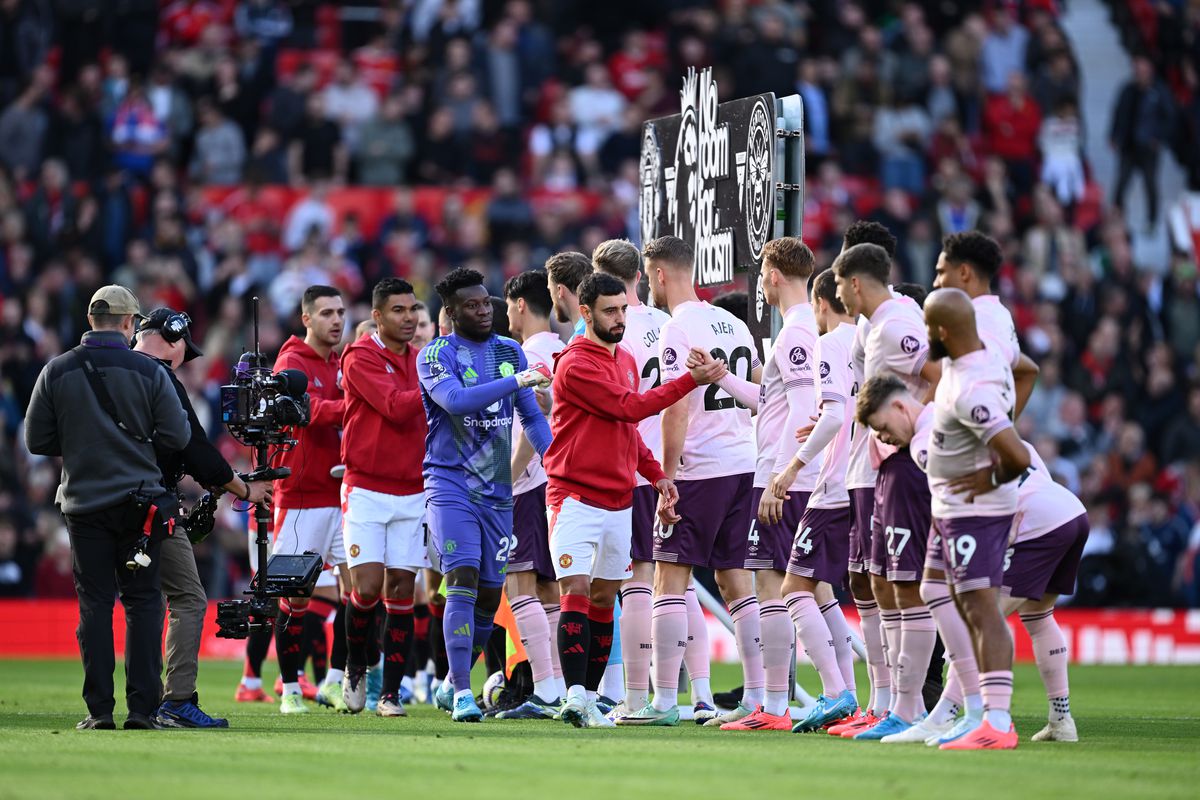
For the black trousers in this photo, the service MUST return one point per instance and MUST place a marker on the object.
(1145, 161)
(100, 543)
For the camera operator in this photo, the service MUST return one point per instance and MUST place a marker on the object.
(308, 510)
(165, 335)
(104, 410)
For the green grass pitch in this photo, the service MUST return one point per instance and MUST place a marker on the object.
(1139, 726)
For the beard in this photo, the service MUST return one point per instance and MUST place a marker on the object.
(655, 300)
(937, 350)
(611, 335)
(560, 314)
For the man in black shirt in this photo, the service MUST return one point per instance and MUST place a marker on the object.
(165, 335)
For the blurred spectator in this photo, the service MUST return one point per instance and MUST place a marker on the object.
(318, 151)
(901, 132)
(311, 215)
(595, 110)
(219, 150)
(1003, 49)
(267, 21)
(349, 102)
(1061, 143)
(385, 146)
(23, 127)
(137, 135)
(1011, 122)
(1141, 122)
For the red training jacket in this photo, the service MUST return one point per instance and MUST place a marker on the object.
(318, 449)
(383, 444)
(597, 448)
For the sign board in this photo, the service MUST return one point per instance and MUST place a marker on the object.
(708, 177)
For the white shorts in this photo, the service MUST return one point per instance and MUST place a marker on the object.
(586, 540)
(384, 529)
(298, 530)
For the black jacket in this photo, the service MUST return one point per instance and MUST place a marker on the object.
(101, 464)
(199, 457)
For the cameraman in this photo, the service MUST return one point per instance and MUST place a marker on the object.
(166, 336)
(308, 510)
(104, 410)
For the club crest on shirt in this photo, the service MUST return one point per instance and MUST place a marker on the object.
(798, 356)
(506, 370)
(354, 550)
(669, 357)
(565, 560)
(980, 414)
(824, 369)
(909, 344)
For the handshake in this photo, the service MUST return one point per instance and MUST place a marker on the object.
(704, 368)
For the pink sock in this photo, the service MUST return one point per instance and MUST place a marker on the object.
(868, 620)
(696, 657)
(747, 631)
(535, 636)
(778, 644)
(817, 641)
(955, 636)
(917, 637)
(842, 638)
(668, 632)
(997, 688)
(553, 610)
(1050, 650)
(636, 603)
(889, 622)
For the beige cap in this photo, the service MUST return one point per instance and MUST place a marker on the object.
(114, 299)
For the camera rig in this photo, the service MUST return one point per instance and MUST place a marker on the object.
(260, 409)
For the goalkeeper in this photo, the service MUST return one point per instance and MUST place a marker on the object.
(471, 381)
(166, 337)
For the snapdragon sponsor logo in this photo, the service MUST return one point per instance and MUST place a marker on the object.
(487, 424)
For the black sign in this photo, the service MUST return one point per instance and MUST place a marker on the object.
(708, 177)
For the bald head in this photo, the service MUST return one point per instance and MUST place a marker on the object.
(950, 320)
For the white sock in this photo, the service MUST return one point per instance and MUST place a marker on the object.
(1000, 720)
(463, 693)
(945, 711)
(294, 688)
(591, 696)
(664, 702)
(974, 704)
(612, 685)
(577, 692)
(406, 683)
(883, 700)
(251, 683)
(752, 698)
(636, 699)
(702, 691)
(334, 676)
(776, 703)
(547, 689)
(560, 685)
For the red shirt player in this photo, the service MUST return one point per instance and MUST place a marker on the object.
(383, 497)
(591, 466)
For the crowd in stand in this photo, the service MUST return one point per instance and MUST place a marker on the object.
(202, 151)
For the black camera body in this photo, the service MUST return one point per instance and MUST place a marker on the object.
(260, 407)
(286, 576)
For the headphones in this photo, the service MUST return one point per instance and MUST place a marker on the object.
(176, 326)
(173, 329)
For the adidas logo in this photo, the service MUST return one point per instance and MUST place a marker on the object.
(574, 649)
(462, 630)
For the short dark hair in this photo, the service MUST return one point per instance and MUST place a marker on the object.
(825, 287)
(597, 285)
(670, 250)
(736, 303)
(617, 257)
(568, 269)
(914, 290)
(979, 250)
(386, 288)
(865, 232)
(533, 287)
(874, 394)
(864, 259)
(500, 317)
(312, 293)
(790, 255)
(457, 279)
(107, 322)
